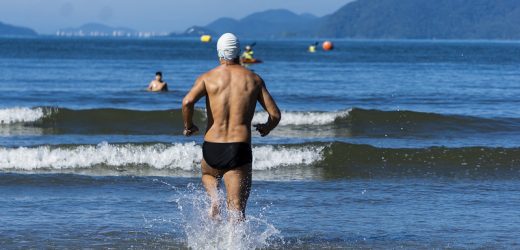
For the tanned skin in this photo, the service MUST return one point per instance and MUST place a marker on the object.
(231, 92)
(157, 85)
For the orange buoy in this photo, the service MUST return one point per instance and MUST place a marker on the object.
(327, 45)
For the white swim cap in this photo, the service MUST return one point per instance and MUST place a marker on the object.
(228, 47)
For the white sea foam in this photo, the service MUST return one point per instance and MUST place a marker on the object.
(304, 118)
(17, 115)
(268, 157)
(184, 156)
(202, 232)
(20, 115)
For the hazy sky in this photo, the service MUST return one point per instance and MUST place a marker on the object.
(47, 16)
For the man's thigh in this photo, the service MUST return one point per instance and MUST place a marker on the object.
(208, 170)
(238, 180)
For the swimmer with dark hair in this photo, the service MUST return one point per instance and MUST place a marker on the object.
(158, 85)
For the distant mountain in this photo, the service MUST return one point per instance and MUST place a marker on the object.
(224, 25)
(267, 24)
(194, 31)
(424, 19)
(387, 19)
(10, 30)
(97, 29)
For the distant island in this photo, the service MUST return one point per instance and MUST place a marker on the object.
(101, 30)
(268, 24)
(10, 30)
(194, 31)
(361, 19)
(386, 19)
(424, 19)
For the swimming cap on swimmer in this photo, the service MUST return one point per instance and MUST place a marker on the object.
(228, 47)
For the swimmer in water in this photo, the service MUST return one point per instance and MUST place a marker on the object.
(158, 85)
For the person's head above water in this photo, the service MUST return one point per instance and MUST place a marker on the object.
(228, 47)
(158, 75)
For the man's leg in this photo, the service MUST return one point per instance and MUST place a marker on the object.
(210, 180)
(238, 186)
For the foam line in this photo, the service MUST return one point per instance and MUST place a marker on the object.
(184, 156)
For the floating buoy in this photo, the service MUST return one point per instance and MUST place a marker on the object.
(327, 45)
(312, 49)
(205, 38)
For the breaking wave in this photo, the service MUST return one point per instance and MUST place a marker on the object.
(323, 160)
(178, 156)
(344, 123)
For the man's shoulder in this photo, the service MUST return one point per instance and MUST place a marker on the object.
(245, 71)
(249, 74)
(218, 71)
(255, 76)
(209, 73)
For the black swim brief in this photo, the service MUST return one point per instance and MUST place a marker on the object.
(227, 155)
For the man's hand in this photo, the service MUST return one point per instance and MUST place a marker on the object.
(190, 131)
(263, 129)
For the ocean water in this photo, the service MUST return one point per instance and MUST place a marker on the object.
(382, 144)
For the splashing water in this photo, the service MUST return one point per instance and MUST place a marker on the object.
(203, 232)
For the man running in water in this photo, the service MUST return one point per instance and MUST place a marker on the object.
(231, 92)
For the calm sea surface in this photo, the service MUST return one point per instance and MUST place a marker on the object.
(382, 144)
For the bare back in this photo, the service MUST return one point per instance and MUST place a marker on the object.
(231, 95)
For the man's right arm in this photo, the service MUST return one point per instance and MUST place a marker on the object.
(266, 100)
(188, 106)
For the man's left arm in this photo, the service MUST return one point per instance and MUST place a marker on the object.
(188, 106)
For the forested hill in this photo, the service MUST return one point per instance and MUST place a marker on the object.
(424, 19)
(10, 30)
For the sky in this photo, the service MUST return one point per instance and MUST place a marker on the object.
(47, 16)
